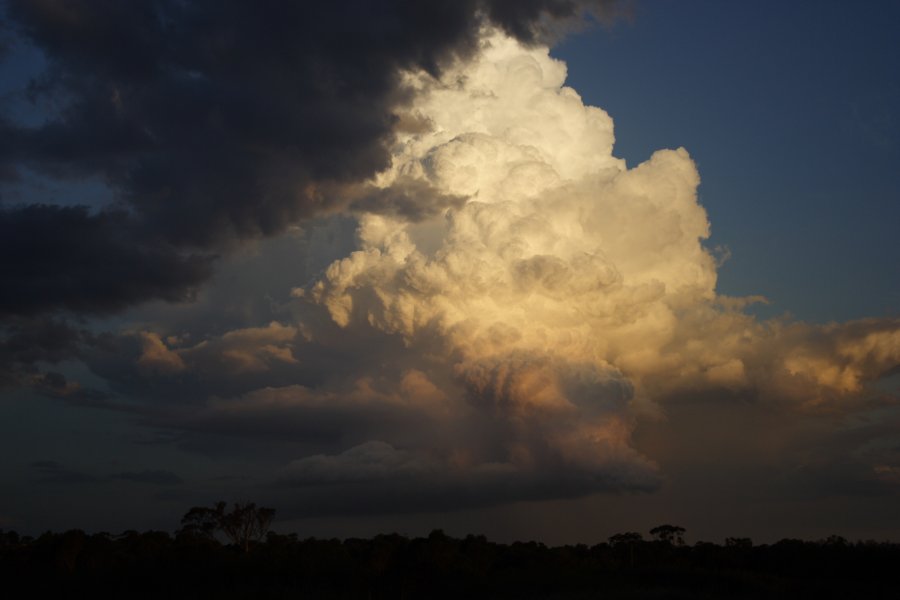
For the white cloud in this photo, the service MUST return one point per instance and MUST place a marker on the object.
(569, 294)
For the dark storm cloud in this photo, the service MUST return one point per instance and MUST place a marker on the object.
(55, 257)
(531, 20)
(50, 471)
(30, 346)
(217, 121)
(25, 342)
(158, 477)
(56, 385)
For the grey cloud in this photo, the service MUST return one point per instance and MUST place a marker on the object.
(50, 471)
(24, 343)
(159, 477)
(533, 20)
(53, 472)
(55, 258)
(56, 385)
(859, 458)
(372, 461)
(377, 478)
(210, 366)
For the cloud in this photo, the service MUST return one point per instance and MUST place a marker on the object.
(369, 462)
(570, 296)
(159, 477)
(250, 350)
(156, 356)
(212, 122)
(52, 472)
(26, 343)
(534, 279)
(57, 258)
(505, 345)
(174, 369)
(534, 20)
(393, 480)
(562, 250)
(414, 200)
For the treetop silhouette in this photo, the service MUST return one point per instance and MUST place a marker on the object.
(244, 524)
(670, 534)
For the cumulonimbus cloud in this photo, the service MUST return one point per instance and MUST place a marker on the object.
(518, 302)
(569, 295)
(520, 298)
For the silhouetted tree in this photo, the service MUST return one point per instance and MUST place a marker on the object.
(245, 523)
(152, 565)
(670, 534)
(201, 522)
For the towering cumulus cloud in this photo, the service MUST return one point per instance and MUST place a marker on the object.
(558, 249)
(562, 300)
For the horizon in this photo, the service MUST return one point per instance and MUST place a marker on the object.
(650, 536)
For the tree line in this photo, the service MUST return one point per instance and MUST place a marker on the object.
(230, 553)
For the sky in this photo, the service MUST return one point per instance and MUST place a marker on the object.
(544, 270)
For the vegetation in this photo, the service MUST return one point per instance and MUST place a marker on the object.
(669, 534)
(195, 564)
(244, 525)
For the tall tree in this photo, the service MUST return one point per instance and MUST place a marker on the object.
(244, 524)
(670, 534)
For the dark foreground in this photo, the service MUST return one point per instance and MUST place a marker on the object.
(156, 565)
